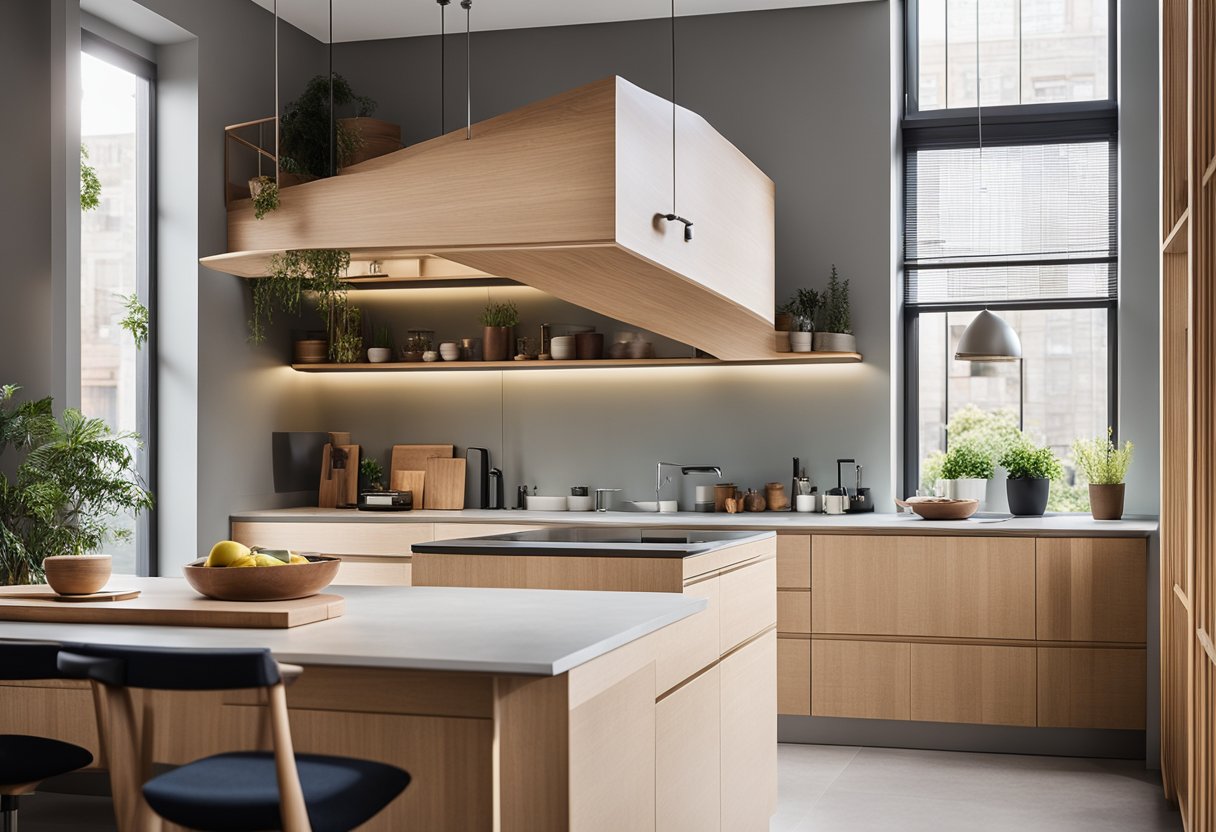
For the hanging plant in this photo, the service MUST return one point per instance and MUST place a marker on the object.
(306, 127)
(346, 342)
(136, 319)
(90, 183)
(265, 194)
(293, 274)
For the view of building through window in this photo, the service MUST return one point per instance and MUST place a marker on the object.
(109, 257)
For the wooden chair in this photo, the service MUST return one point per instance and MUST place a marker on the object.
(231, 792)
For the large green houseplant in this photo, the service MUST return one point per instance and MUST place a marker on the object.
(306, 129)
(72, 480)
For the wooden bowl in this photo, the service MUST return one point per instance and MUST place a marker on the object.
(77, 574)
(942, 509)
(262, 583)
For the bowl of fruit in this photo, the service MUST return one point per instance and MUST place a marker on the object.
(235, 572)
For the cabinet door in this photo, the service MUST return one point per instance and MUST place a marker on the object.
(1091, 687)
(452, 531)
(749, 736)
(341, 538)
(794, 676)
(749, 602)
(793, 611)
(794, 561)
(1092, 589)
(962, 587)
(688, 756)
(973, 683)
(865, 679)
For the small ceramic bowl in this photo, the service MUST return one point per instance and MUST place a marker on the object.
(449, 351)
(77, 574)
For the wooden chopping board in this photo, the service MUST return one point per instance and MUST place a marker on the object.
(169, 607)
(444, 484)
(339, 486)
(413, 458)
(411, 481)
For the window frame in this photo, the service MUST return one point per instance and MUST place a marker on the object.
(1020, 124)
(147, 558)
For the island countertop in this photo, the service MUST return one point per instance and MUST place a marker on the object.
(631, 542)
(500, 631)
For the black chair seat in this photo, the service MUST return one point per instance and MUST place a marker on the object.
(239, 793)
(25, 759)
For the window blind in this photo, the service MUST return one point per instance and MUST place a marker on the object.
(1024, 222)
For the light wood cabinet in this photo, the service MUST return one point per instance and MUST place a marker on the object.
(1091, 589)
(958, 587)
(972, 683)
(1091, 687)
(793, 611)
(868, 679)
(749, 735)
(794, 676)
(688, 757)
(748, 601)
(794, 561)
(452, 531)
(336, 538)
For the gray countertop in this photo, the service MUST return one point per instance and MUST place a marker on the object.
(1051, 525)
(628, 542)
(503, 631)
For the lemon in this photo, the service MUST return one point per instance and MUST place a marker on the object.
(247, 560)
(226, 552)
(298, 558)
(267, 560)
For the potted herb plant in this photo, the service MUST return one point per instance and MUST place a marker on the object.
(371, 474)
(804, 306)
(783, 322)
(965, 472)
(382, 346)
(305, 130)
(347, 338)
(1030, 472)
(1104, 465)
(498, 320)
(264, 192)
(292, 275)
(61, 499)
(836, 330)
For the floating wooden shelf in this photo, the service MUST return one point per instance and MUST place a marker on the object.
(473, 366)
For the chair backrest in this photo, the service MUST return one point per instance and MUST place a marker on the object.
(29, 660)
(170, 669)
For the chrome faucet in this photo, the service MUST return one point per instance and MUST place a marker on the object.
(660, 480)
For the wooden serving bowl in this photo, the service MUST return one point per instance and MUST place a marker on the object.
(77, 574)
(262, 583)
(935, 509)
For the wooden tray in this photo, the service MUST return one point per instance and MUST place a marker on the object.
(44, 593)
(171, 606)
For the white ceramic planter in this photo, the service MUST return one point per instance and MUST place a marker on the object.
(379, 355)
(835, 342)
(966, 489)
(801, 341)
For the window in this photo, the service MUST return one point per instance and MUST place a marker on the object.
(1011, 207)
(116, 380)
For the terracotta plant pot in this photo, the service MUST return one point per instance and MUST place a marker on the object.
(1106, 501)
(77, 574)
(1027, 497)
(310, 351)
(497, 342)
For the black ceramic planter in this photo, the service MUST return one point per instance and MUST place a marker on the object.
(1027, 497)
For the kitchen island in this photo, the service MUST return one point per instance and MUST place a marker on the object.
(511, 709)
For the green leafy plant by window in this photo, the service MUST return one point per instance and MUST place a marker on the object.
(135, 319)
(293, 275)
(500, 314)
(372, 472)
(90, 183)
(991, 432)
(804, 306)
(305, 132)
(74, 479)
(1031, 463)
(837, 316)
(265, 195)
(1100, 461)
(966, 462)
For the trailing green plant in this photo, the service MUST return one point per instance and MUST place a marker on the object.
(265, 195)
(346, 341)
(306, 129)
(1026, 462)
(372, 472)
(966, 462)
(383, 337)
(135, 321)
(836, 314)
(74, 480)
(804, 306)
(293, 275)
(1101, 461)
(500, 314)
(90, 183)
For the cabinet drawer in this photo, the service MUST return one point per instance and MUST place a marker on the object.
(794, 676)
(692, 643)
(688, 762)
(980, 684)
(794, 561)
(923, 586)
(1091, 687)
(749, 602)
(793, 611)
(359, 570)
(451, 531)
(1092, 589)
(335, 538)
(749, 736)
(867, 679)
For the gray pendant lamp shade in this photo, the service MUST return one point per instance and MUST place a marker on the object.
(988, 338)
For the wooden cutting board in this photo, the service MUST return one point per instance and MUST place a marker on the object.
(413, 458)
(41, 592)
(339, 486)
(178, 606)
(444, 484)
(411, 481)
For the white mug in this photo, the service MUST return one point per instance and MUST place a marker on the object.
(835, 504)
(804, 502)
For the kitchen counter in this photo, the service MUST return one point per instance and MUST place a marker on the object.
(597, 542)
(421, 628)
(1051, 525)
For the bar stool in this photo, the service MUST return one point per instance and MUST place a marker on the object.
(232, 792)
(26, 761)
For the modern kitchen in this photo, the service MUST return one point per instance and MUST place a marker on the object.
(638, 415)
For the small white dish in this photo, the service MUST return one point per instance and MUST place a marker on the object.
(579, 503)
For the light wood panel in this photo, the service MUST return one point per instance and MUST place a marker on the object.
(794, 676)
(1092, 589)
(444, 484)
(546, 572)
(691, 644)
(974, 684)
(793, 611)
(1091, 687)
(531, 761)
(860, 679)
(931, 586)
(58, 710)
(749, 735)
(334, 538)
(794, 561)
(498, 366)
(749, 602)
(360, 570)
(688, 756)
(451, 531)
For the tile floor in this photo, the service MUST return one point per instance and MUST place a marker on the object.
(825, 788)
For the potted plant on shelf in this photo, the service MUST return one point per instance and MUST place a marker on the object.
(264, 192)
(371, 472)
(347, 338)
(804, 306)
(498, 320)
(1030, 472)
(965, 472)
(1104, 465)
(382, 346)
(294, 274)
(62, 499)
(836, 331)
(305, 131)
(783, 322)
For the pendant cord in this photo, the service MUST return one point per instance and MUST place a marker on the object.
(673, 107)
(333, 133)
(443, 64)
(276, 96)
(467, 5)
